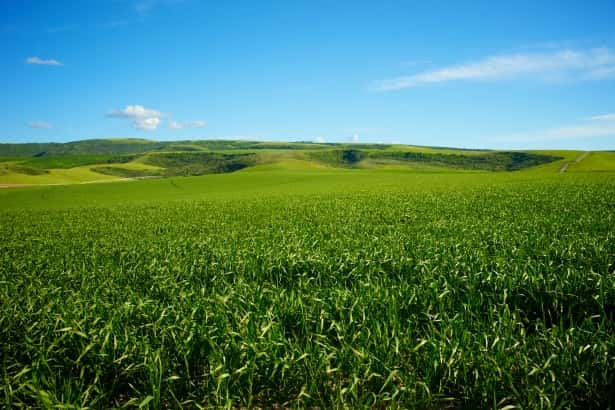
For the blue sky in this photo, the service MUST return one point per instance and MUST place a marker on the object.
(522, 74)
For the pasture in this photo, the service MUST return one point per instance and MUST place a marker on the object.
(297, 283)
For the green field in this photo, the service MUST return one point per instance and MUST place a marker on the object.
(100, 160)
(309, 276)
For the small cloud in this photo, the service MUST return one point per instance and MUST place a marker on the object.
(603, 117)
(40, 61)
(319, 140)
(355, 137)
(592, 64)
(176, 125)
(147, 124)
(599, 128)
(135, 111)
(396, 142)
(39, 124)
(142, 118)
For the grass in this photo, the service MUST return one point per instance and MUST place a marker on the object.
(54, 176)
(133, 169)
(594, 162)
(311, 287)
(554, 167)
(280, 179)
(73, 161)
(199, 163)
(135, 165)
(490, 160)
(293, 283)
(9, 168)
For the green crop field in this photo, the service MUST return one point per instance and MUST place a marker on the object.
(256, 275)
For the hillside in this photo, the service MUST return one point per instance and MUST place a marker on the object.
(116, 159)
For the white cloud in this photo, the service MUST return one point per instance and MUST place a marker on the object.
(147, 124)
(319, 140)
(135, 111)
(39, 124)
(592, 64)
(142, 118)
(40, 61)
(355, 137)
(177, 125)
(603, 117)
(605, 127)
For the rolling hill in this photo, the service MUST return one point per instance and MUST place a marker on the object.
(116, 159)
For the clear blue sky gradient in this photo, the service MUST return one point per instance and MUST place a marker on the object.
(312, 70)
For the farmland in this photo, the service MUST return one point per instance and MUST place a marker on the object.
(106, 160)
(294, 276)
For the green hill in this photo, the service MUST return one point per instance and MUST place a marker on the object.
(113, 159)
